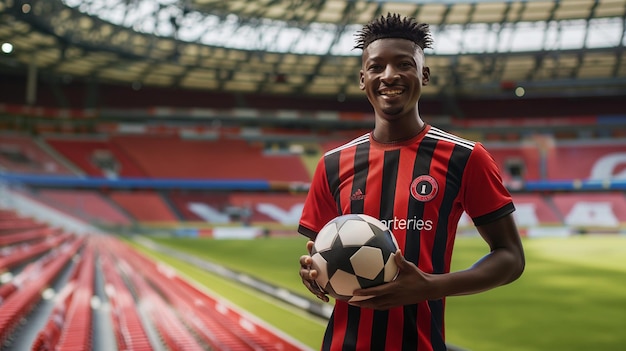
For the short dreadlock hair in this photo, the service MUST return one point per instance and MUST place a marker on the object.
(394, 26)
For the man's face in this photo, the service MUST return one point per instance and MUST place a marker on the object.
(392, 75)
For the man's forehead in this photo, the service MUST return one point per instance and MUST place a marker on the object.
(398, 46)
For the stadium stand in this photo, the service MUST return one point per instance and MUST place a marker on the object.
(77, 327)
(173, 157)
(23, 154)
(96, 157)
(599, 160)
(18, 304)
(143, 294)
(538, 159)
(89, 205)
(129, 331)
(144, 206)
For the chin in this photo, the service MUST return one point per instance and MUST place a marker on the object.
(391, 111)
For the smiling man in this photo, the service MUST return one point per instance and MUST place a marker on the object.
(418, 180)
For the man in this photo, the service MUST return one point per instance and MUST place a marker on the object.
(419, 179)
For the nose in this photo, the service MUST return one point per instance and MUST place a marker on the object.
(389, 75)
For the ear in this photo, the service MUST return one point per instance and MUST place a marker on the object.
(361, 80)
(425, 75)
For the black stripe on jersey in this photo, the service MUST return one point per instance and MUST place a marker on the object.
(328, 335)
(352, 330)
(331, 163)
(421, 166)
(412, 246)
(307, 232)
(436, 326)
(361, 169)
(497, 214)
(389, 179)
(456, 166)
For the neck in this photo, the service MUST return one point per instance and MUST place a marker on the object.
(394, 131)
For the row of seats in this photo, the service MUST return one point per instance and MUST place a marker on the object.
(141, 292)
(77, 328)
(127, 326)
(172, 157)
(214, 323)
(155, 156)
(28, 284)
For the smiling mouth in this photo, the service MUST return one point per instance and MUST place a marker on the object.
(391, 92)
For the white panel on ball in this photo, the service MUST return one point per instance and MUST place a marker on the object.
(355, 233)
(325, 237)
(344, 283)
(367, 262)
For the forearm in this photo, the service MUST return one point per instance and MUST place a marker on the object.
(499, 267)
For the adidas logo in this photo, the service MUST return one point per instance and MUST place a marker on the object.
(358, 195)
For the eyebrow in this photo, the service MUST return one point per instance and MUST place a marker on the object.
(396, 57)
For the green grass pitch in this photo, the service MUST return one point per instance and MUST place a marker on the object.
(572, 295)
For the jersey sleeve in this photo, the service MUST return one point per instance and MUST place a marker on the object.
(319, 206)
(485, 198)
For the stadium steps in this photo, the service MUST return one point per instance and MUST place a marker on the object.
(129, 331)
(58, 157)
(18, 304)
(23, 154)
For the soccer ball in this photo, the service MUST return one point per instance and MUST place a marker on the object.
(353, 251)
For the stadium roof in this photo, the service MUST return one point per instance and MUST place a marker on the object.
(488, 47)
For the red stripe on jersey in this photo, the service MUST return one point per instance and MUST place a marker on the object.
(365, 329)
(340, 321)
(423, 326)
(401, 201)
(394, 329)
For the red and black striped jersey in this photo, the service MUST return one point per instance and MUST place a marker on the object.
(419, 188)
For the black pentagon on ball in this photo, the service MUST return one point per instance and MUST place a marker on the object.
(338, 256)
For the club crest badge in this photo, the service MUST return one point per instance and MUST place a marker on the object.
(424, 188)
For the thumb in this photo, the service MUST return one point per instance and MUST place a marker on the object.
(401, 262)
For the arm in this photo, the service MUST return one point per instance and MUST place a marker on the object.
(502, 265)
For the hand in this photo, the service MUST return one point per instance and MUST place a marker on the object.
(412, 285)
(308, 275)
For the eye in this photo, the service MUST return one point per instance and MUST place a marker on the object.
(375, 67)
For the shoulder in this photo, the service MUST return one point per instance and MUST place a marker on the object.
(365, 138)
(446, 137)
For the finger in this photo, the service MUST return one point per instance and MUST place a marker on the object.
(315, 288)
(319, 292)
(305, 261)
(309, 246)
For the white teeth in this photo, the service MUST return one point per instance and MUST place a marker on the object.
(391, 92)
